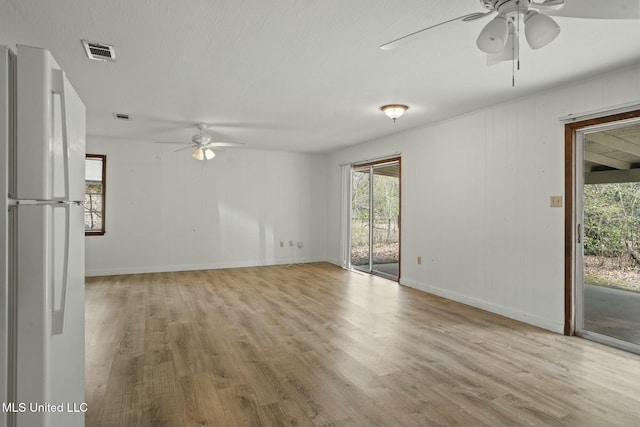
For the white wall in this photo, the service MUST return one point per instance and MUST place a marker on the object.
(167, 211)
(475, 203)
(475, 199)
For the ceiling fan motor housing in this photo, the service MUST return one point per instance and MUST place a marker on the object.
(506, 6)
(201, 139)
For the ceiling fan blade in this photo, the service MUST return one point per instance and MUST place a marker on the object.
(401, 40)
(510, 51)
(173, 142)
(547, 5)
(183, 148)
(597, 9)
(225, 144)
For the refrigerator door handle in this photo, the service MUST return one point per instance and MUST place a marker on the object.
(57, 86)
(57, 315)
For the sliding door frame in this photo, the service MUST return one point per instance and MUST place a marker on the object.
(570, 192)
(355, 166)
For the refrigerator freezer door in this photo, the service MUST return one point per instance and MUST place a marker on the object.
(51, 130)
(50, 364)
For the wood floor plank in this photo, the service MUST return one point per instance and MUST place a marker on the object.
(316, 345)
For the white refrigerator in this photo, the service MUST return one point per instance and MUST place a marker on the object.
(42, 157)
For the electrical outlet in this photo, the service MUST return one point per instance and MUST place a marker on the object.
(290, 242)
(555, 201)
(281, 244)
(419, 260)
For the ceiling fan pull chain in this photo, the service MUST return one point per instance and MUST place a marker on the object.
(513, 52)
(513, 62)
(519, 16)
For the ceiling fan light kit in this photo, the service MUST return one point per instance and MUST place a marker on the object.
(394, 111)
(198, 154)
(499, 38)
(539, 30)
(493, 36)
(510, 52)
(203, 153)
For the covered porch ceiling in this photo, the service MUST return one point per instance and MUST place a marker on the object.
(612, 155)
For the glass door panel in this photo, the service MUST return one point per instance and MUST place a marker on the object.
(608, 300)
(360, 219)
(386, 213)
(375, 219)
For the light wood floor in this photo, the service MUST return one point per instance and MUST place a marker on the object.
(315, 345)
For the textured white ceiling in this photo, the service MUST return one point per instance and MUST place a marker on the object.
(301, 75)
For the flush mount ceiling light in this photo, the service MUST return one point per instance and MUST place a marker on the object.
(394, 111)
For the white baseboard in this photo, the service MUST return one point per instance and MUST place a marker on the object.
(334, 261)
(191, 267)
(454, 296)
(487, 306)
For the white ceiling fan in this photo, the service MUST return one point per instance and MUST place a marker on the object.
(203, 144)
(499, 38)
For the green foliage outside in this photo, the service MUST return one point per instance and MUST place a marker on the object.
(612, 218)
(612, 234)
(386, 211)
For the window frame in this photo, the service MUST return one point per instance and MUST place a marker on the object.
(103, 158)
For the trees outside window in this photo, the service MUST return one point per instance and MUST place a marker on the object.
(94, 195)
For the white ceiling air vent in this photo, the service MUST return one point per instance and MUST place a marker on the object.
(99, 51)
(121, 116)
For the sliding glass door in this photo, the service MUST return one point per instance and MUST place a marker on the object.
(608, 234)
(361, 219)
(375, 218)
